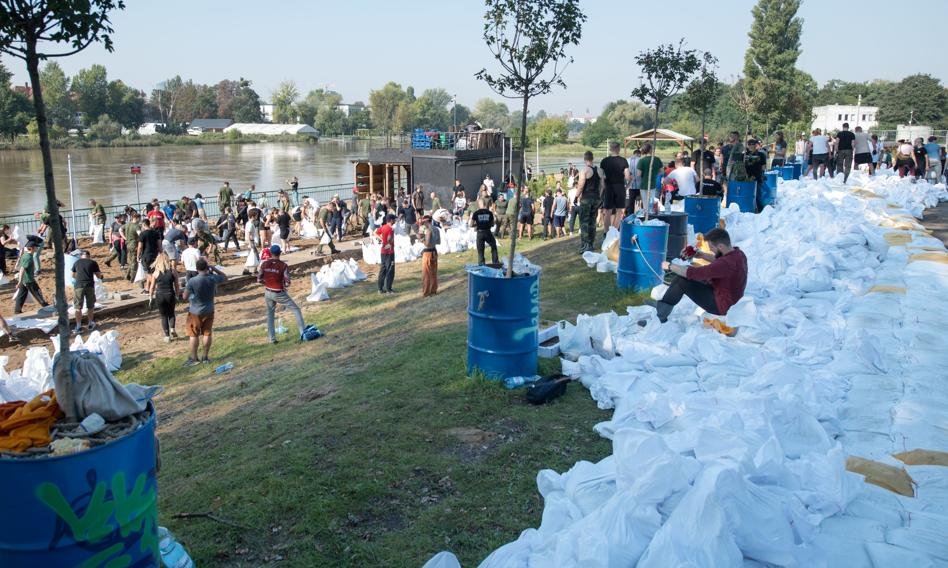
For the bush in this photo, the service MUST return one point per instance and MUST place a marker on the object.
(105, 129)
(597, 133)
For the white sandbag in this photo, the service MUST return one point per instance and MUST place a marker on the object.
(252, 260)
(319, 291)
(443, 559)
(354, 272)
(98, 234)
(36, 370)
(140, 273)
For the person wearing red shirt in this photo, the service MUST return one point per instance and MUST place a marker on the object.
(387, 272)
(715, 287)
(274, 274)
(157, 218)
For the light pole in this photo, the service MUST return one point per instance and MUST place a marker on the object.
(454, 99)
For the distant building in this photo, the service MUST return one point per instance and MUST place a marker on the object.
(150, 128)
(272, 129)
(912, 131)
(831, 117)
(266, 110)
(586, 119)
(25, 89)
(199, 126)
(349, 108)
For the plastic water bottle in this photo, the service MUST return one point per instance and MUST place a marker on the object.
(514, 382)
(173, 555)
(224, 368)
(281, 327)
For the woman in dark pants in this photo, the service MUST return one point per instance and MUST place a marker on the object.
(163, 293)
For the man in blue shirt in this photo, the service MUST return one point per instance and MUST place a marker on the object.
(934, 158)
(199, 293)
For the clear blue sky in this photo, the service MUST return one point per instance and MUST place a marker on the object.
(359, 45)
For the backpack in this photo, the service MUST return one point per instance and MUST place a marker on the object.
(546, 389)
(310, 332)
(435, 235)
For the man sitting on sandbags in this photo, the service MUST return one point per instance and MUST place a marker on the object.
(715, 287)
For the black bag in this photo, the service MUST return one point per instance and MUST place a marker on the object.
(546, 389)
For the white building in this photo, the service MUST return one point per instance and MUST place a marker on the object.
(831, 117)
(349, 108)
(272, 129)
(150, 128)
(266, 109)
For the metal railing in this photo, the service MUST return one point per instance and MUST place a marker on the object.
(29, 223)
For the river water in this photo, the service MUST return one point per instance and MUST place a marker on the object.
(171, 171)
(168, 172)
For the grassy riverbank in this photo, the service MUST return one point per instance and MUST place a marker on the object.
(370, 446)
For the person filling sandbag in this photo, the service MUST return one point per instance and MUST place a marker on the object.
(714, 287)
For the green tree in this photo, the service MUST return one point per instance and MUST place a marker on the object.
(284, 103)
(665, 70)
(627, 117)
(460, 114)
(164, 98)
(59, 105)
(26, 30)
(90, 90)
(920, 97)
(702, 92)
(105, 129)
(125, 105)
(600, 131)
(432, 110)
(386, 103)
(16, 113)
(528, 39)
(548, 131)
(238, 101)
(492, 114)
(782, 93)
(359, 119)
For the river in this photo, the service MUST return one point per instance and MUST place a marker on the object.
(168, 172)
(171, 171)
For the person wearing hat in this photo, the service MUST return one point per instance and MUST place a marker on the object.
(84, 272)
(274, 274)
(387, 272)
(26, 281)
(755, 160)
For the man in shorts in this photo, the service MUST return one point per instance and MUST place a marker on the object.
(844, 151)
(560, 206)
(83, 272)
(862, 150)
(616, 171)
(526, 213)
(200, 292)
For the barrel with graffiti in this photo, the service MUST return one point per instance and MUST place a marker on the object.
(97, 507)
(503, 325)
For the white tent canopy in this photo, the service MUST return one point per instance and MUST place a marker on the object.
(661, 134)
(272, 129)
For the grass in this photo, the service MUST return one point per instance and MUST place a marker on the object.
(370, 446)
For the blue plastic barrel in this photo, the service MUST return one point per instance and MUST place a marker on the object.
(641, 252)
(797, 170)
(786, 172)
(503, 325)
(97, 507)
(703, 212)
(744, 193)
(768, 190)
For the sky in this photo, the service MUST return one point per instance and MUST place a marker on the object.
(359, 45)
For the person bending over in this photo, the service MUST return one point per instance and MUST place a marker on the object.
(715, 287)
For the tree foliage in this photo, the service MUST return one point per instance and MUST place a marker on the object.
(433, 109)
(920, 97)
(599, 132)
(549, 130)
(15, 109)
(90, 92)
(781, 92)
(284, 103)
(59, 105)
(388, 107)
(105, 129)
(125, 104)
(492, 114)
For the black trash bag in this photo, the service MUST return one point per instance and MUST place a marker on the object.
(546, 389)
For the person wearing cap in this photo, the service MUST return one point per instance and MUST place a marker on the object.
(84, 272)
(755, 160)
(429, 257)
(26, 280)
(387, 271)
(274, 274)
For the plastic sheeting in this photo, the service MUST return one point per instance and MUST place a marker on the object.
(731, 451)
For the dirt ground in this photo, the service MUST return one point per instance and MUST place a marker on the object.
(139, 329)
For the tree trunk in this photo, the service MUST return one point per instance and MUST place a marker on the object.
(523, 153)
(61, 377)
(704, 115)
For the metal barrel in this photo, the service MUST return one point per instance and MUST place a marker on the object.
(641, 252)
(502, 325)
(703, 212)
(97, 507)
(768, 191)
(787, 172)
(744, 193)
(677, 232)
(797, 170)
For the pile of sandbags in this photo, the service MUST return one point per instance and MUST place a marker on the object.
(338, 274)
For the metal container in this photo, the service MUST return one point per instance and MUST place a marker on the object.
(797, 170)
(641, 252)
(768, 191)
(97, 507)
(703, 212)
(787, 172)
(744, 193)
(502, 325)
(677, 232)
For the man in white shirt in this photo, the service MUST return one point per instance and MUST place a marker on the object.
(685, 177)
(190, 257)
(819, 153)
(572, 208)
(635, 186)
(489, 184)
(799, 149)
